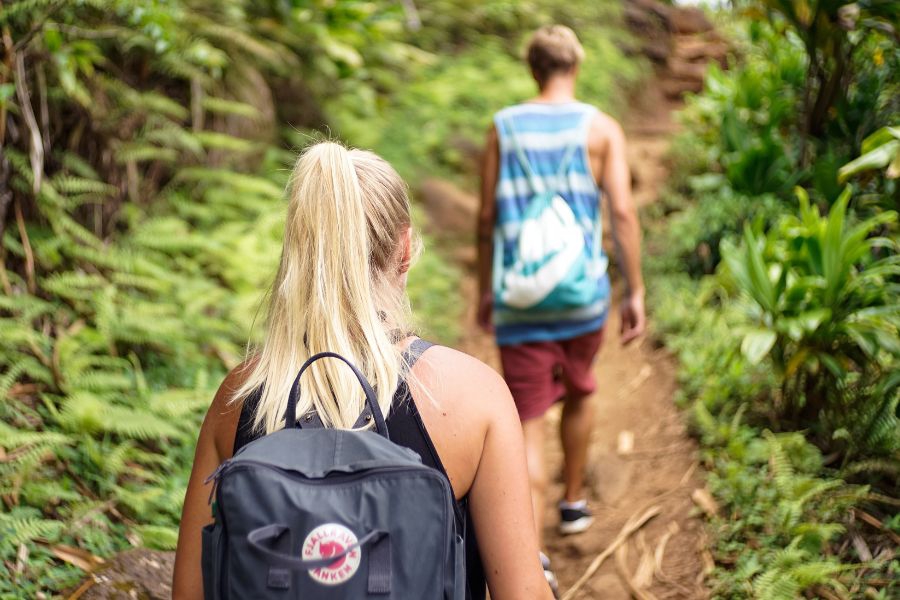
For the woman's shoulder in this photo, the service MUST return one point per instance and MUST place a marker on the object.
(461, 382)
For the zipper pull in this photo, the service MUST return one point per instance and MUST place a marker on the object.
(214, 478)
(215, 474)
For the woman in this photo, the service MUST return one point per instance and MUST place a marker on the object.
(340, 287)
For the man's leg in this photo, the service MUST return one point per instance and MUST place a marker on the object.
(575, 428)
(575, 433)
(533, 430)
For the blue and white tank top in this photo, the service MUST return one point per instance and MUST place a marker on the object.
(543, 153)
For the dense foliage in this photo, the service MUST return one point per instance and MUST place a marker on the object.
(144, 156)
(777, 287)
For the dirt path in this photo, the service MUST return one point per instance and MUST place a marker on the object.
(635, 396)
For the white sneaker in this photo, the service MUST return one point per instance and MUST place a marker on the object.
(574, 517)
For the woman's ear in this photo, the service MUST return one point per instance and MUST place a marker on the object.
(406, 237)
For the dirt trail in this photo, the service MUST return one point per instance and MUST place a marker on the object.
(635, 395)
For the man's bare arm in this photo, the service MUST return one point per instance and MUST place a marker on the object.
(616, 183)
(487, 214)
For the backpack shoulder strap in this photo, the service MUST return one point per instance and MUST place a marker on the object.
(414, 352)
(410, 356)
(574, 145)
(505, 125)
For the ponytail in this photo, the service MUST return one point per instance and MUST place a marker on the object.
(338, 288)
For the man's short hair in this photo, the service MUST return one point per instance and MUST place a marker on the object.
(553, 49)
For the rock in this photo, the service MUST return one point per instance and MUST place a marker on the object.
(682, 69)
(689, 19)
(674, 89)
(141, 573)
(657, 49)
(694, 49)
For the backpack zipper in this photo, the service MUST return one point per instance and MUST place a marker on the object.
(327, 480)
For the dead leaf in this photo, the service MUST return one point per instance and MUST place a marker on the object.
(643, 575)
(703, 499)
(82, 559)
(862, 550)
(660, 551)
(21, 558)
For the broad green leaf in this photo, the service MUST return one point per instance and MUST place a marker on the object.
(757, 344)
(878, 158)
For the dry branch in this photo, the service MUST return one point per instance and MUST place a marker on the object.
(632, 525)
(634, 585)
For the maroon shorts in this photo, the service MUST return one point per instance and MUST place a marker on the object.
(541, 373)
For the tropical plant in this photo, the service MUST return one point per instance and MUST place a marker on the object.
(826, 315)
(830, 31)
(881, 150)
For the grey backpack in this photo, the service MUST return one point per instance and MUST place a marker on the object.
(311, 513)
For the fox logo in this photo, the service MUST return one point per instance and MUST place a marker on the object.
(327, 540)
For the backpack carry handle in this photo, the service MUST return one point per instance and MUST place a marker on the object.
(379, 577)
(290, 413)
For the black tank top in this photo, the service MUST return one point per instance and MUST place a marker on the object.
(405, 428)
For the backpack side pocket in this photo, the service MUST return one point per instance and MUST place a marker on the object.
(211, 561)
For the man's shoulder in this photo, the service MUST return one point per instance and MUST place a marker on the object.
(604, 128)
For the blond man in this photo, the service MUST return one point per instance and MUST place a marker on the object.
(544, 288)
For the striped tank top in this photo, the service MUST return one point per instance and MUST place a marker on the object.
(552, 140)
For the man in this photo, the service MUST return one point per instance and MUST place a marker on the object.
(542, 272)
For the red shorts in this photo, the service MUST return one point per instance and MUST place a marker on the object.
(541, 373)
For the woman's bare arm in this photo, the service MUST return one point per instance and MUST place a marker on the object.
(501, 504)
(214, 445)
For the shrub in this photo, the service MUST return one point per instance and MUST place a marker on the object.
(825, 313)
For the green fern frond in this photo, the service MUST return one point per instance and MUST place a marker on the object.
(229, 107)
(138, 501)
(8, 379)
(73, 285)
(239, 182)
(101, 381)
(172, 135)
(138, 152)
(888, 466)
(212, 140)
(775, 584)
(76, 164)
(158, 537)
(782, 469)
(12, 438)
(85, 412)
(17, 531)
(67, 184)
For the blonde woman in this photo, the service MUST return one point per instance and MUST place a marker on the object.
(340, 287)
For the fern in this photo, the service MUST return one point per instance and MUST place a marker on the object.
(17, 531)
(230, 107)
(158, 537)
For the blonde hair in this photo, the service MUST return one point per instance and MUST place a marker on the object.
(553, 49)
(339, 288)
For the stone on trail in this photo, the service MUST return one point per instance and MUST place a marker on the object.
(625, 442)
(141, 573)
